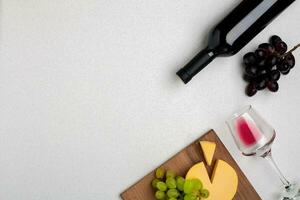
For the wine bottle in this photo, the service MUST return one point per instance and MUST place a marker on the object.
(234, 32)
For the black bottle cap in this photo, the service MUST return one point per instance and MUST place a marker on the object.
(184, 76)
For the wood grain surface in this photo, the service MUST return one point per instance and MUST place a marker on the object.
(181, 163)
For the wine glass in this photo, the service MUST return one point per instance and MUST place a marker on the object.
(254, 137)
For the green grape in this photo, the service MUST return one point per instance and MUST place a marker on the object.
(172, 198)
(190, 197)
(161, 186)
(180, 183)
(160, 173)
(181, 196)
(160, 195)
(170, 174)
(154, 182)
(186, 197)
(173, 193)
(204, 193)
(196, 193)
(197, 184)
(188, 187)
(171, 183)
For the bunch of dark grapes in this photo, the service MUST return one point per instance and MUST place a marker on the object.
(264, 67)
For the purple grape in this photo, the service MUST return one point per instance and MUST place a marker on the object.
(274, 75)
(262, 63)
(286, 72)
(290, 60)
(275, 39)
(249, 59)
(262, 72)
(268, 47)
(251, 90)
(248, 78)
(261, 84)
(272, 60)
(266, 77)
(261, 53)
(283, 66)
(287, 63)
(271, 68)
(281, 47)
(273, 86)
(251, 70)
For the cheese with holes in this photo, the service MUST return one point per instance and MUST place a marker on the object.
(208, 149)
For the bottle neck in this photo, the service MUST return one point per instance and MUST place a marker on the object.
(201, 60)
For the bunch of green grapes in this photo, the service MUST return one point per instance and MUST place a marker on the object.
(168, 186)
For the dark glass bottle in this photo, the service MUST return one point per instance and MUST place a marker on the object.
(234, 32)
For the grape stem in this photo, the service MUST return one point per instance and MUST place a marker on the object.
(290, 51)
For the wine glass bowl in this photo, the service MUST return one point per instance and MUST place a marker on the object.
(251, 133)
(254, 137)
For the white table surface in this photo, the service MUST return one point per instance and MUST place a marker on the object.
(90, 101)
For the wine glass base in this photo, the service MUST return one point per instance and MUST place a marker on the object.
(291, 193)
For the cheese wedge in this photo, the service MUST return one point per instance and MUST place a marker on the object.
(208, 149)
(224, 182)
(198, 171)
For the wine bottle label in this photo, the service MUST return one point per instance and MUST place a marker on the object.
(251, 18)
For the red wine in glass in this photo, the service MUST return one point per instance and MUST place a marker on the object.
(254, 137)
(249, 134)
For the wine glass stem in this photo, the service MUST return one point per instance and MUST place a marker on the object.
(268, 156)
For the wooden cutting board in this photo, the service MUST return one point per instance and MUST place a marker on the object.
(181, 163)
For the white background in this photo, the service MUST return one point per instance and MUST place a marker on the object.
(90, 103)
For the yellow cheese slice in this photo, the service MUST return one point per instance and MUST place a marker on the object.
(224, 182)
(208, 149)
